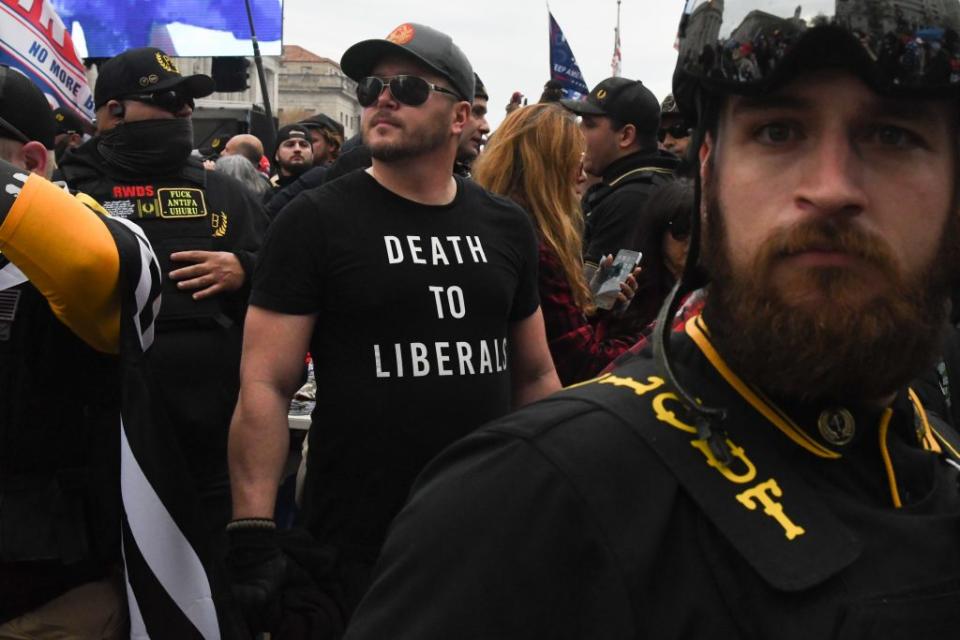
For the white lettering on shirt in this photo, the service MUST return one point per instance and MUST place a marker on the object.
(476, 249)
(438, 253)
(421, 360)
(415, 249)
(394, 249)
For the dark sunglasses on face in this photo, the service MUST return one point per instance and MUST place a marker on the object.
(676, 131)
(409, 90)
(172, 101)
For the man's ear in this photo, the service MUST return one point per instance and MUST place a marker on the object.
(708, 157)
(105, 118)
(707, 154)
(35, 157)
(627, 136)
(461, 116)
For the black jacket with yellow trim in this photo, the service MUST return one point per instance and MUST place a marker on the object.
(613, 208)
(598, 514)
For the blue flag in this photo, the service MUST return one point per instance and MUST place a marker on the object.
(563, 66)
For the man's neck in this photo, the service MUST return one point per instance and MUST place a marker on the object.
(425, 179)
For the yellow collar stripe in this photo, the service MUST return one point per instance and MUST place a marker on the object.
(929, 442)
(946, 443)
(887, 462)
(777, 418)
(617, 180)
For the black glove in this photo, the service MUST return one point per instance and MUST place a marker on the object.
(256, 568)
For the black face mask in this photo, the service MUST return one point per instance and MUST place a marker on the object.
(148, 147)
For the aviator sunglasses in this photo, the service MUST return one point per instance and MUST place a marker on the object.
(676, 131)
(409, 90)
(170, 100)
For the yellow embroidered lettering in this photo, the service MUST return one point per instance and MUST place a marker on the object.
(665, 415)
(750, 471)
(761, 494)
(639, 388)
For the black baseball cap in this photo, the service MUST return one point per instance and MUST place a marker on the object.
(25, 114)
(293, 131)
(145, 70)
(69, 121)
(624, 100)
(424, 44)
(322, 121)
(479, 91)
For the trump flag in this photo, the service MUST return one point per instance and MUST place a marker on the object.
(35, 41)
(563, 66)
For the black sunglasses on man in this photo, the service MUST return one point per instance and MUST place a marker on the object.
(676, 131)
(409, 90)
(169, 100)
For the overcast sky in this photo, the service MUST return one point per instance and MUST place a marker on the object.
(505, 40)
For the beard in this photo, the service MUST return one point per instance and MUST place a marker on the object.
(297, 169)
(434, 133)
(818, 337)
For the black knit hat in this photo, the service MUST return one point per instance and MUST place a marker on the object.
(25, 114)
(145, 70)
(424, 44)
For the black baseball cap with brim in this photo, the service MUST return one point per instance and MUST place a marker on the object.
(622, 99)
(145, 70)
(69, 121)
(424, 44)
(25, 113)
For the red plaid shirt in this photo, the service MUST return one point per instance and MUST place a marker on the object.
(692, 305)
(579, 345)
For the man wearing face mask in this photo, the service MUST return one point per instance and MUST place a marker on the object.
(205, 230)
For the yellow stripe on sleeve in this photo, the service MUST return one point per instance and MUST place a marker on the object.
(68, 254)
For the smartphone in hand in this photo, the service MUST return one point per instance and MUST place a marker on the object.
(611, 277)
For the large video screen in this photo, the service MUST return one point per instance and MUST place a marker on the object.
(179, 27)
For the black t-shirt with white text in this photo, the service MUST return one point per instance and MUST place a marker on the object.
(410, 348)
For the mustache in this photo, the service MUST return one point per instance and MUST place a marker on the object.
(383, 117)
(830, 235)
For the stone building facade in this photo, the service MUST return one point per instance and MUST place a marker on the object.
(310, 84)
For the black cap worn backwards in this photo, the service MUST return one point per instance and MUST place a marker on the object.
(322, 121)
(293, 131)
(424, 44)
(145, 70)
(69, 121)
(25, 114)
(626, 101)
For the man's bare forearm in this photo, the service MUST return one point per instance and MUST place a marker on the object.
(258, 447)
(536, 387)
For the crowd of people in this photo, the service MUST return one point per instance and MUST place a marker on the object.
(621, 368)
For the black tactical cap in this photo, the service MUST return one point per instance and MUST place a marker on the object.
(25, 114)
(69, 121)
(145, 70)
(322, 121)
(424, 44)
(627, 101)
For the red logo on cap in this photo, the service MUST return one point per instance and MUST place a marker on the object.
(402, 34)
